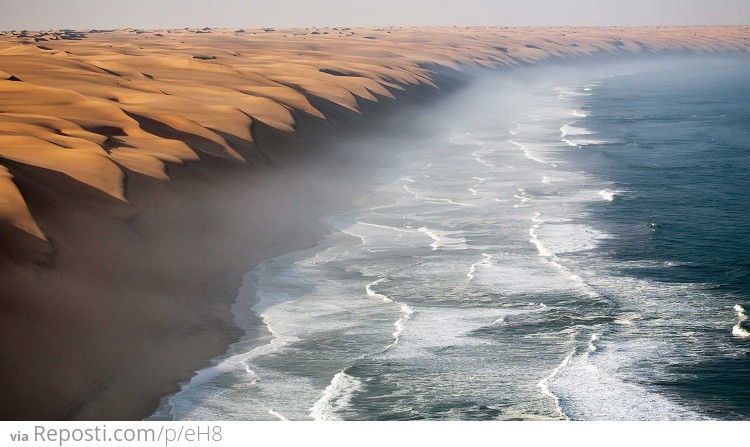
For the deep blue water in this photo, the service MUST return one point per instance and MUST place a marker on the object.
(553, 243)
(681, 154)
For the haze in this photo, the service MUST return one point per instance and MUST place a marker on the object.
(151, 14)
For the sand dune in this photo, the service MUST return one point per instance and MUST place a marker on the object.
(116, 150)
(76, 90)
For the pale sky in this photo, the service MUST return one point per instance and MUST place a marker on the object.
(150, 14)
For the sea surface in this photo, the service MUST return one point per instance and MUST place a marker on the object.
(556, 243)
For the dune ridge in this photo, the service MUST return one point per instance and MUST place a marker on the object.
(123, 235)
(68, 99)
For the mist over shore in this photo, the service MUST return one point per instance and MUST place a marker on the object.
(146, 171)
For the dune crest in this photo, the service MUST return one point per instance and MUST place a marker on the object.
(68, 99)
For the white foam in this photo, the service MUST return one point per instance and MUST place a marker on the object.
(543, 251)
(571, 130)
(562, 237)
(527, 153)
(627, 319)
(608, 195)
(405, 309)
(590, 87)
(523, 197)
(580, 142)
(448, 201)
(277, 415)
(358, 236)
(443, 240)
(576, 136)
(473, 269)
(473, 189)
(400, 324)
(523, 275)
(371, 293)
(589, 387)
(432, 328)
(544, 383)
(384, 227)
(336, 396)
(435, 199)
(567, 93)
(478, 157)
(591, 346)
(741, 329)
(565, 242)
(239, 362)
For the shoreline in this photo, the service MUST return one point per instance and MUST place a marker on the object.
(313, 229)
(254, 331)
(204, 330)
(142, 291)
(278, 371)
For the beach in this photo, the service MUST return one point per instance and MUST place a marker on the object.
(145, 172)
(521, 250)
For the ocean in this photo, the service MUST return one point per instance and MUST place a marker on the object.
(556, 243)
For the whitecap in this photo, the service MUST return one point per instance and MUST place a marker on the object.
(335, 397)
(571, 130)
(742, 328)
(527, 153)
(608, 195)
(473, 268)
(277, 415)
(544, 383)
(473, 189)
(566, 93)
(588, 386)
(443, 240)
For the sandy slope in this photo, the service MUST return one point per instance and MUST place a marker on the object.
(109, 248)
(74, 100)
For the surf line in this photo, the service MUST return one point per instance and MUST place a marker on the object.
(544, 384)
(339, 392)
(405, 309)
(479, 159)
(434, 199)
(484, 262)
(548, 257)
(233, 360)
(529, 155)
(277, 415)
(473, 189)
(360, 237)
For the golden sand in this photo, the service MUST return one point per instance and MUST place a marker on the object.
(70, 101)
